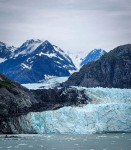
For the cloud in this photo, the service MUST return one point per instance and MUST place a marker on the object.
(71, 24)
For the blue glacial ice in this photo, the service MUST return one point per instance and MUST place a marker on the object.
(109, 111)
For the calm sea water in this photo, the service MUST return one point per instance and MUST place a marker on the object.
(111, 141)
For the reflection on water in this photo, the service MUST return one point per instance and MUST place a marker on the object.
(109, 141)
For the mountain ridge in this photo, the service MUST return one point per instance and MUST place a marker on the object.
(111, 70)
(34, 59)
(6, 51)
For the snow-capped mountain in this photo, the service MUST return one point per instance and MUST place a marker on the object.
(6, 51)
(77, 57)
(111, 70)
(93, 56)
(28, 47)
(34, 60)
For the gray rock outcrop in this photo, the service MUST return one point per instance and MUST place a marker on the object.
(112, 70)
(16, 100)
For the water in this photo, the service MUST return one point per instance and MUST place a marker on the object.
(110, 141)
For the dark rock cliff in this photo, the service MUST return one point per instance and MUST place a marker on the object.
(111, 70)
(16, 100)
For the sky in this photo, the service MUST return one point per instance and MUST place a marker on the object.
(73, 25)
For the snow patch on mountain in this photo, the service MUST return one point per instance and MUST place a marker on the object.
(109, 111)
(24, 66)
(28, 47)
(2, 60)
(48, 55)
(57, 49)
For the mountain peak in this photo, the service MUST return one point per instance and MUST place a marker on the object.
(6, 51)
(28, 47)
(10, 47)
(97, 50)
(93, 56)
(47, 42)
(31, 41)
(32, 61)
(1, 43)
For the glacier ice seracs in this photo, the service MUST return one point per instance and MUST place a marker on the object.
(109, 111)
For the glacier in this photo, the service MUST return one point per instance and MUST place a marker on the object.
(109, 111)
(49, 83)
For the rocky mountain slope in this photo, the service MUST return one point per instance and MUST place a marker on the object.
(111, 70)
(34, 60)
(71, 110)
(6, 51)
(93, 56)
(16, 100)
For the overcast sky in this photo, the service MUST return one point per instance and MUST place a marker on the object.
(73, 25)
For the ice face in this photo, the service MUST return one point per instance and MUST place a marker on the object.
(112, 112)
